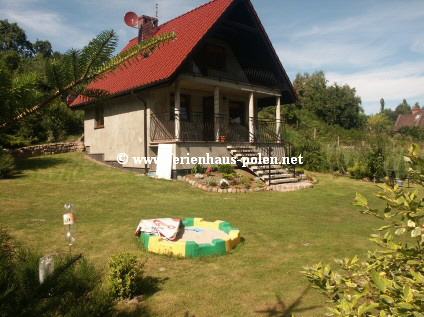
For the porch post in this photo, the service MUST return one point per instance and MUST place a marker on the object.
(251, 117)
(278, 116)
(177, 110)
(216, 113)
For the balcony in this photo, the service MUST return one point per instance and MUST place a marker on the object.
(167, 127)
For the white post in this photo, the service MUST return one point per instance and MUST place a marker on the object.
(251, 117)
(216, 113)
(278, 115)
(177, 110)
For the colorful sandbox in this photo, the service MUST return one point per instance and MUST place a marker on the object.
(196, 238)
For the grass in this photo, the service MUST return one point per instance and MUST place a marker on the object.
(282, 232)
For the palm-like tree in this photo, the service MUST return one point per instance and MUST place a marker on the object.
(68, 74)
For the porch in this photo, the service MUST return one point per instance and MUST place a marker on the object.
(204, 110)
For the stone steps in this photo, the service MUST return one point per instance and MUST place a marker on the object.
(278, 174)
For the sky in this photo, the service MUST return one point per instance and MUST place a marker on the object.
(374, 46)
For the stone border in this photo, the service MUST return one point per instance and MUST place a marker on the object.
(289, 187)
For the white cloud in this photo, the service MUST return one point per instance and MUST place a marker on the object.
(44, 24)
(394, 83)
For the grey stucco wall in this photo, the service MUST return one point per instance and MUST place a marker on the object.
(123, 130)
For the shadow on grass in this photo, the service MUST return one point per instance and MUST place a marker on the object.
(151, 285)
(282, 310)
(140, 311)
(36, 163)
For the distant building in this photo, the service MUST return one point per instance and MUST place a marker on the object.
(415, 119)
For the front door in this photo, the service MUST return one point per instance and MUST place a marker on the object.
(208, 119)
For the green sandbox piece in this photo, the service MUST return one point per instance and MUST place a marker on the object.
(194, 250)
(144, 240)
(188, 222)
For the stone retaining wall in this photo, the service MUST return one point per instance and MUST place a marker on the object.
(47, 149)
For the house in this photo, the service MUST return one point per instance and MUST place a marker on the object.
(415, 119)
(199, 93)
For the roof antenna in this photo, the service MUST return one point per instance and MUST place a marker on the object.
(157, 10)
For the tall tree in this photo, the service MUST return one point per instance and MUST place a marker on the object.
(43, 47)
(334, 104)
(382, 104)
(69, 73)
(403, 108)
(13, 38)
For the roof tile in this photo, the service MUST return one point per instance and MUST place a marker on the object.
(189, 28)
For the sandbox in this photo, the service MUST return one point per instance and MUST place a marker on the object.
(196, 238)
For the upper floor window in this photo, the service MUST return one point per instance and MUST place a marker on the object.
(99, 117)
(215, 57)
(184, 107)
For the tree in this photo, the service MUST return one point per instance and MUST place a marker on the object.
(13, 38)
(379, 123)
(69, 74)
(334, 104)
(382, 104)
(403, 108)
(417, 106)
(390, 282)
(43, 47)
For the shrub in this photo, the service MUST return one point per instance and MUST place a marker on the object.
(375, 162)
(228, 177)
(7, 165)
(73, 289)
(125, 275)
(226, 169)
(390, 282)
(245, 181)
(198, 169)
(214, 168)
(358, 171)
(211, 181)
(313, 156)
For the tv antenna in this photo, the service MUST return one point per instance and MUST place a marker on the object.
(157, 10)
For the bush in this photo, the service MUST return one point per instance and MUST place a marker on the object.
(358, 171)
(73, 289)
(228, 177)
(226, 169)
(390, 282)
(313, 156)
(125, 275)
(375, 162)
(7, 165)
(211, 181)
(198, 169)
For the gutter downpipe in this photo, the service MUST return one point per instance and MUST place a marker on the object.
(147, 167)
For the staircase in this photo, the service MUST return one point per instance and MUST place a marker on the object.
(270, 174)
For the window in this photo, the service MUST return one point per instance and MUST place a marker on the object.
(185, 108)
(215, 57)
(99, 117)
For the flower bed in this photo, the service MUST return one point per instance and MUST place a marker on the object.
(225, 179)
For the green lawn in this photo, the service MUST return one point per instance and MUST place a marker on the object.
(281, 232)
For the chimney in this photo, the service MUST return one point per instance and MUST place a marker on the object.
(415, 110)
(147, 27)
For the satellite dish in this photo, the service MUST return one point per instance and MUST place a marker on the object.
(131, 19)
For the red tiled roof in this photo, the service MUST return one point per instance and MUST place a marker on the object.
(410, 120)
(189, 28)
